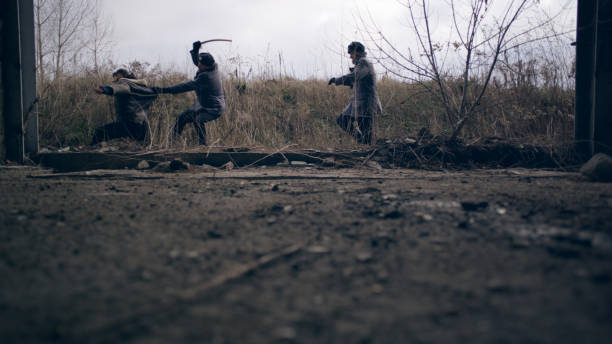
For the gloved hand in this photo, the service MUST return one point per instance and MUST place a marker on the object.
(104, 90)
(197, 45)
(331, 81)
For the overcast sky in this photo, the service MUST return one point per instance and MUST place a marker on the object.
(310, 36)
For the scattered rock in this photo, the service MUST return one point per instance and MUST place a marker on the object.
(143, 165)
(207, 168)
(228, 166)
(423, 217)
(285, 333)
(178, 165)
(501, 211)
(298, 163)
(317, 249)
(192, 254)
(388, 197)
(598, 169)
(377, 288)
(364, 256)
(172, 166)
(374, 165)
(394, 214)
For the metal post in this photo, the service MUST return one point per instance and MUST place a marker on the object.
(602, 129)
(11, 82)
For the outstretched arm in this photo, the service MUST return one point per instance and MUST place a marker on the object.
(346, 80)
(178, 88)
(104, 90)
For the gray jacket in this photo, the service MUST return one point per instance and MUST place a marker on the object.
(132, 99)
(208, 88)
(362, 79)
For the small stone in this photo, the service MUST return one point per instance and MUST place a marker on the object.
(598, 169)
(424, 217)
(192, 254)
(299, 163)
(285, 333)
(374, 165)
(207, 168)
(174, 254)
(271, 220)
(377, 288)
(389, 197)
(501, 211)
(395, 214)
(178, 165)
(288, 209)
(228, 166)
(364, 256)
(317, 249)
(143, 165)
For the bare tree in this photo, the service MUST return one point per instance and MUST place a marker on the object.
(69, 20)
(43, 13)
(98, 42)
(67, 32)
(456, 69)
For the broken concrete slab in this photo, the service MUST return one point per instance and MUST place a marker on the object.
(86, 161)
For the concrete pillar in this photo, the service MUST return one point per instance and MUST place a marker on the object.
(11, 82)
(602, 115)
(18, 79)
(2, 146)
(586, 35)
(28, 75)
(593, 123)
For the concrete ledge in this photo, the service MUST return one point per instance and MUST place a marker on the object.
(86, 161)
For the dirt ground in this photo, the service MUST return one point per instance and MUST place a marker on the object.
(305, 255)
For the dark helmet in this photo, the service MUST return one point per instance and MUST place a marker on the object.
(124, 72)
(356, 47)
(206, 59)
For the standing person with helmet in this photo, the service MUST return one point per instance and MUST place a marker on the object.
(356, 118)
(132, 102)
(210, 102)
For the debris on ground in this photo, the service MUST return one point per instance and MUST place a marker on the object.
(598, 169)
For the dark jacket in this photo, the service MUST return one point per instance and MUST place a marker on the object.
(362, 79)
(132, 99)
(209, 91)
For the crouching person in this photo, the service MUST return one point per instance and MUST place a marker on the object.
(132, 103)
(357, 117)
(210, 102)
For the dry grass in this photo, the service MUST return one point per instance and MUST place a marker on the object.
(275, 112)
